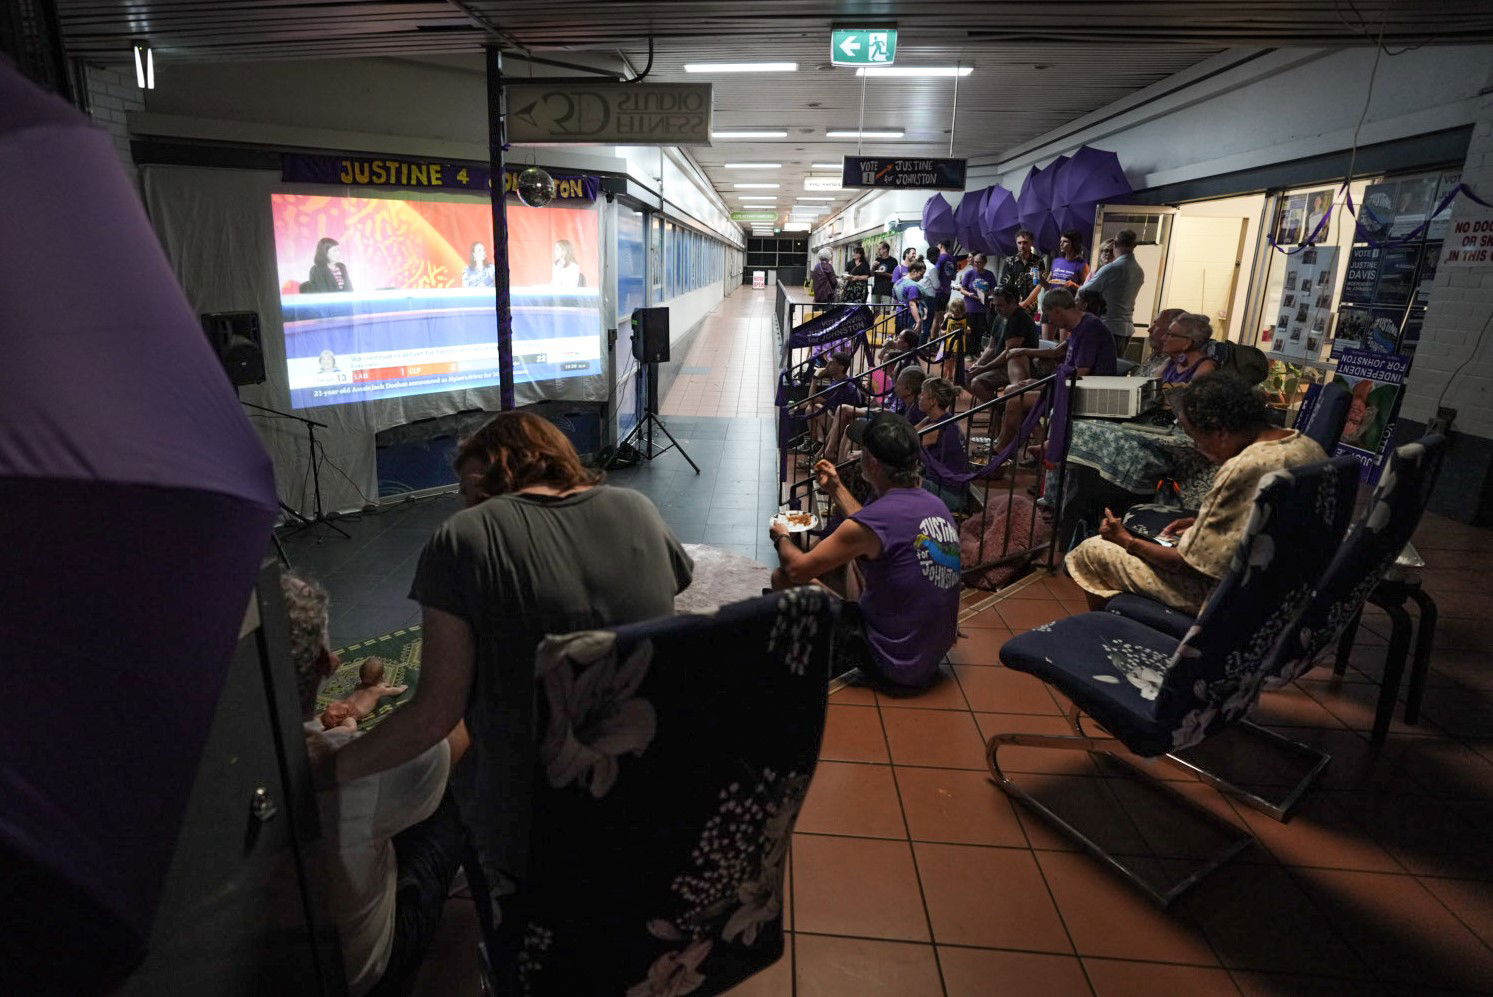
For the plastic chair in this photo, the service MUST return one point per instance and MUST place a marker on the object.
(673, 758)
(1155, 694)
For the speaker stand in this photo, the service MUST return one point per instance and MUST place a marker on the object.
(319, 518)
(643, 431)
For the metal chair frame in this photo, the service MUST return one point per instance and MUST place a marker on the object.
(1082, 741)
(1279, 809)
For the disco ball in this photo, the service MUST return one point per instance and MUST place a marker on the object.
(536, 188)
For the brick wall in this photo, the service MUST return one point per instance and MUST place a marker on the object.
(1461, 303)
(112, 95)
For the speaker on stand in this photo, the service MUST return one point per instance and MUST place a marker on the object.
(650, 347)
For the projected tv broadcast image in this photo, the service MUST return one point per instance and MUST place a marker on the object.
(384, 298)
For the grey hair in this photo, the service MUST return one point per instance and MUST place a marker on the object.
(913, 377)
(824, 254)
(1198, 328)
(306, 605)
(1058, 297)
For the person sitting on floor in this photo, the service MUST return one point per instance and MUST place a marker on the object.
(392, 841)
(1228, 423)
(907, 551)
(945, 445)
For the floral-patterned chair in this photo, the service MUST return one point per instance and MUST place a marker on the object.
(1155, 694)
(674, 756)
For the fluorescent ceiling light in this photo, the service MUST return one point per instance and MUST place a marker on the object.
(817, 199)
(753, 166)
(145, 66)
(756, 186)
(825, 166)
(754, 133)
(915, 71)
(757, 197)
(741, 67)
(797, 227)
(889, 133)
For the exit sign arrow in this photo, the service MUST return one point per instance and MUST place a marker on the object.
(863, 46)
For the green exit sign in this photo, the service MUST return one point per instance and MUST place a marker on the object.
(863, 46)
(754, 216)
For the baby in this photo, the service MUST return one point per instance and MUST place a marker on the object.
(371, 688)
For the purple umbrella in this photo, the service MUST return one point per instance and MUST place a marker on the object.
(137, 506)
(967, 219)
(999, 220)
(1035, 205)
(1091, 178)
(938, 220)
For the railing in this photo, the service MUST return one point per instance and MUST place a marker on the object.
(984, 499)
(791, 314)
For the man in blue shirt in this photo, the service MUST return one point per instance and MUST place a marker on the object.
(1120, 282)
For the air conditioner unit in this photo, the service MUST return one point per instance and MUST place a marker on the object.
(1113, 397)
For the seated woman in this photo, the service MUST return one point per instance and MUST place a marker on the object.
(904, 402)
(1118, 464)
(944, 445)
(1156, 337)
(1227, 421)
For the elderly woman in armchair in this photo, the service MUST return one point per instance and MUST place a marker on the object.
(1226, 420)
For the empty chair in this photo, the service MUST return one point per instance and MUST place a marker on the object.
(674, 756)
(1155, 694)
(1325, 425)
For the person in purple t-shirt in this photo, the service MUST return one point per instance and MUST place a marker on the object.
(945, 445)
(1089, 348)
(976, 283)
(941, 259)
(906, 549)
(904, 402)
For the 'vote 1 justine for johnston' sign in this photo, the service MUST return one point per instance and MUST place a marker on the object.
(926, 174)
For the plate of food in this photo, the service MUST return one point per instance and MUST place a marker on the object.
(795, 521)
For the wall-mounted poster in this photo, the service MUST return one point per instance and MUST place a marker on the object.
(1318, 203)
(1375, 330)
(1412, 205)
(1439, 224)
(1397, 275)
(1290, 229)
(1375, 381)
(1305, 308)
(1427, 276)
(1410, 335)
(1363, 274)
(1377, 213)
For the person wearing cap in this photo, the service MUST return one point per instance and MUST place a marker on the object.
(906, 549)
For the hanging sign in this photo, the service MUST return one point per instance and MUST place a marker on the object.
(923, 174)
(430, 174)
(1375, 381)
(754, 216)
(610, 113)
(863, 46)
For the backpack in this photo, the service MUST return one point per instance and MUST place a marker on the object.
(1247, 363)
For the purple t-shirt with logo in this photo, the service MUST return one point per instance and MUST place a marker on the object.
(1092, 345)
(911, 599)
(977, 281)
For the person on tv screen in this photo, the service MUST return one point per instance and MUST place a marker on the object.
(328, 273)
(479, 272)
(327, 369)
(567, 271)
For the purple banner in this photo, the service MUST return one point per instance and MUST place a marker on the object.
(420, 174)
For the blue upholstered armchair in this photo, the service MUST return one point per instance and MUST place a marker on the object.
(674, 756)
(1155, 694)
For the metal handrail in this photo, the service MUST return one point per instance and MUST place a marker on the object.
(916, 350)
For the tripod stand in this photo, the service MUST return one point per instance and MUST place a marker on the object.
(303, 522)
(643, 431)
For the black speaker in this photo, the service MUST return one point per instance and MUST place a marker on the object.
(234, 337)
(650, 335)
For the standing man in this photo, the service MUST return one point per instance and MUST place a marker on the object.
(881, 275)
(1120, 282)
(1021, 272)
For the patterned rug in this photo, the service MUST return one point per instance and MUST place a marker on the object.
(400, 653)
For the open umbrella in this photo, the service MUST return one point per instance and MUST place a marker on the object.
(967, 219)
(1035, 205)
(1091, 178)
(138, 503)
(999, 220)
(938, 220)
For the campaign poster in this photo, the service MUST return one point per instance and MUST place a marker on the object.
(1412, 205)
(1397, 275)
(1374, 330)
(1306, 303)
(1427, 277)
(1376, 214)
(1374, 381)
(1291, 229)
(1318, 204)
(1363, 274)
(1440, 223)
